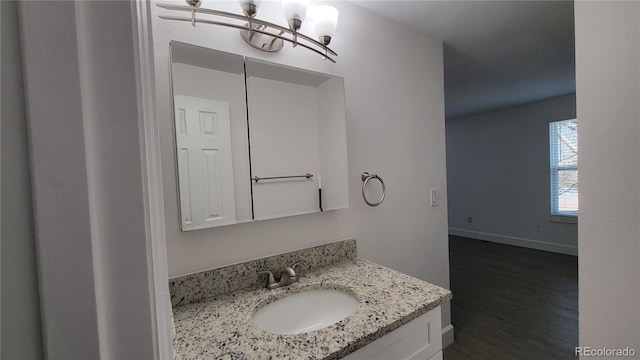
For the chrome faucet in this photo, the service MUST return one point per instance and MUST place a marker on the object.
(287, 277)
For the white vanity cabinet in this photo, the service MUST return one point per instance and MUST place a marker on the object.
(420, 339)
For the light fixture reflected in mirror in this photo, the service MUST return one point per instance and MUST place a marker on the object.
(265, 35)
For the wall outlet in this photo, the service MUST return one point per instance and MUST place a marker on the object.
(434, 197)
(469, 219)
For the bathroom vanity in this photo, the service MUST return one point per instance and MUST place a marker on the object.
(397, 316)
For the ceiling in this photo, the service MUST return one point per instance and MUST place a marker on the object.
(496, 53)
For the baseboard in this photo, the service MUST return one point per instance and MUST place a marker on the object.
(447, 336)
(516, 241)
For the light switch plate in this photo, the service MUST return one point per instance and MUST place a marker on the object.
(434, 197)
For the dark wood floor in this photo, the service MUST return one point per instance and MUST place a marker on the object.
(511, 302)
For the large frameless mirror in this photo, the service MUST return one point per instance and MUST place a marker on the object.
(263, 144)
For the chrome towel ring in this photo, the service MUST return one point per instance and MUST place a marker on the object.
(365, 178)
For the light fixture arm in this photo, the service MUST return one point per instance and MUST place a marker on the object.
(294, 38)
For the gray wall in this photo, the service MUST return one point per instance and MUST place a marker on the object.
(498, 174)
(87, 167)
(608, 92)
(20, 312)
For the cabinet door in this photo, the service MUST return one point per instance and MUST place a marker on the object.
(420, 339)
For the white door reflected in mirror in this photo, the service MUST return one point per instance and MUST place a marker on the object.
(205, 166)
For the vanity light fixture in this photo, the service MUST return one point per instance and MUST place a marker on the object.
(265, 35)
(326, 21)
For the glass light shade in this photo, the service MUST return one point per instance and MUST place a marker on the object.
(246, 6)
(254, 2)
(326, 20)
(295, 9)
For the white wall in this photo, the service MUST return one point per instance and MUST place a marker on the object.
(608, 93)
(395, 128)
(20, 312)
(498, 174)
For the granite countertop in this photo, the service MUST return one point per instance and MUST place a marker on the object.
(221, 328)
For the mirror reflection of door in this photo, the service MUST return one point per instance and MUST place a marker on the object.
(213, 186)
(205, 166)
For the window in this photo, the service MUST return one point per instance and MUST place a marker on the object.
(563, 140)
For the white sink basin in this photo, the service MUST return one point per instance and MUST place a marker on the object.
(305, 311)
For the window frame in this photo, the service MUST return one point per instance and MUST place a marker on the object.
(554, 170)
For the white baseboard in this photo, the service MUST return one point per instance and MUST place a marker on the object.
(512, 240)
(447, 336)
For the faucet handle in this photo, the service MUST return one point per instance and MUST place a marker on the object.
(290, 271)
(298, 263)
(293, 267)
(271, 280)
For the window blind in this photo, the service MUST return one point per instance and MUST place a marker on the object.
(563, 140)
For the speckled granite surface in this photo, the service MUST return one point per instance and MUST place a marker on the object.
(222, 329)
(213, 283)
